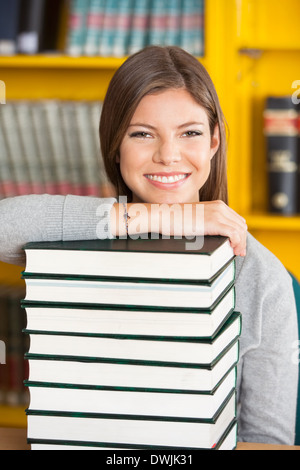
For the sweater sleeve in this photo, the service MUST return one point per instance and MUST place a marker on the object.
(27, 219)
(268, 369)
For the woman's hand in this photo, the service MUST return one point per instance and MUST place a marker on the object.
(186, 220)
(219, 219)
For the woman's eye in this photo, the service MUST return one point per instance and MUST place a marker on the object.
(192, 133)
(140, 135)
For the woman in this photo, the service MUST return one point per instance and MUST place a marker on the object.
(163, 142)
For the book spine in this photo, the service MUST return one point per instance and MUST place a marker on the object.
(73, 156)
(15, 150)
(77, 27)
(139, 26)
(158, 22)
(7, 185)
(198, 45)
(94, 27)
(9, 21)
(53, 116)
(122, 28)
(173, 23)
(31, 25)
(281, 131)
(108, 31)
(187, 25)
(30, 151)
(88, 150)
(42, 138)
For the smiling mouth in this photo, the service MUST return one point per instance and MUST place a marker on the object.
(168, 179)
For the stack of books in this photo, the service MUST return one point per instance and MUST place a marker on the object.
(133, 344)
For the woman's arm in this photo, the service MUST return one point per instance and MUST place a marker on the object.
(49, 218)
(205, 218)
(268, 370)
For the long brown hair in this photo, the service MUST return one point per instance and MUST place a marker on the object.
(151, 70)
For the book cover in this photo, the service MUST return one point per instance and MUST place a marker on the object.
(281, 131)
(132, 258)
(9, 22)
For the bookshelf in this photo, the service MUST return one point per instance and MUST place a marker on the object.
(247, 46)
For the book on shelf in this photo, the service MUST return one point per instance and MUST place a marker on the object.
(281, 131)
(9, 20)
(137, 373)
(15, 369)
(100, 27)
(53, 147)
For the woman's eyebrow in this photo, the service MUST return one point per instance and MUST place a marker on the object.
(140, 124)
(185, 124)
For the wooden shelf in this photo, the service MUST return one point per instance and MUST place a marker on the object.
(11, 416)
(60, 62)
(273, 222)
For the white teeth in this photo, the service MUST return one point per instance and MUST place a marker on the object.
(166, 179)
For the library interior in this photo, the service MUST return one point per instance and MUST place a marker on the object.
(57, 58)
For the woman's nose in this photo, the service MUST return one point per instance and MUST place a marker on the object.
(167, 152)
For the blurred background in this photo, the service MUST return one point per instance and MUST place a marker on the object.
(56, 60)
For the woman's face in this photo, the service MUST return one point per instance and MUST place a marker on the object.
(165, 156)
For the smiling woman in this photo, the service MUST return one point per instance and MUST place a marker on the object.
(164, 144)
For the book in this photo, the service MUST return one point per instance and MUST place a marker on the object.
(128, 429)
(7, 182)
(96, 290)
(281, 131)
(126, 320)
(31, 25)
(77, 31)
(142, 348)
(19, 167)
(124, 374)
(228, 441)
(94, 27)
(9, 21)
(129, 258)
(64, 398)
(138, 37)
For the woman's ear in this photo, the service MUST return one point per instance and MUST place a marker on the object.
(118, 158)
(215, 141)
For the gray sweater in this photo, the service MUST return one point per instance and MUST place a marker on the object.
(267, 372)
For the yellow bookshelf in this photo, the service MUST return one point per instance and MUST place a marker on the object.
(252, 49)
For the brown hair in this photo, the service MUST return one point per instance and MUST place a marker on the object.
(151, 70)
